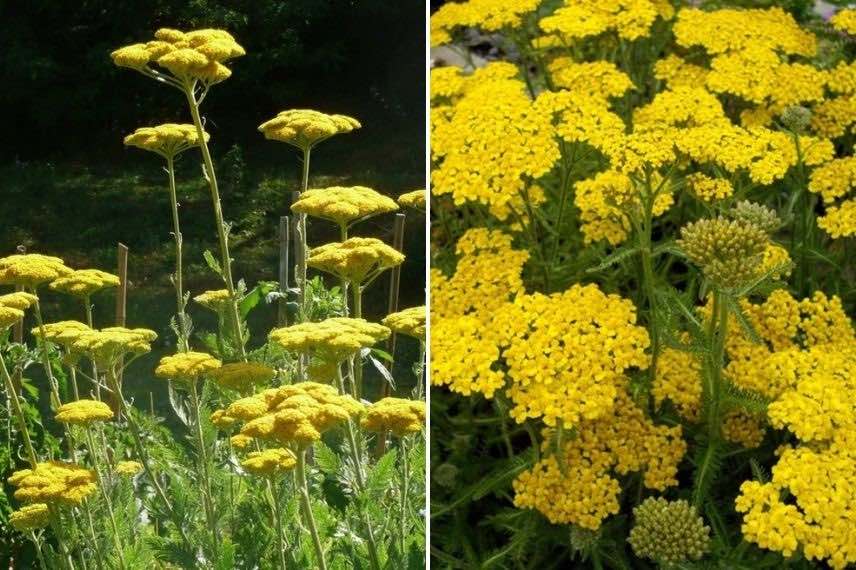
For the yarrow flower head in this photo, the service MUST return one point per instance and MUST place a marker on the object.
(83, 412)
(304, 128)
(168, 140)
(31, 269)
(128, 468)
(269, 462)
(488, 15)
(356, 260)
(410, 322)
(54, 483)
(396, 415)
(343, 205)
(845, 21)
(193, 56)
(30, 517)
(668, 531)
(187, 366)
(64, 333)
(85, 282)
(415, 199)
(106, 346)
(12, 306)
(215, 300)
(729, 252)
(242, 376)
(331, 340)
(757, 215)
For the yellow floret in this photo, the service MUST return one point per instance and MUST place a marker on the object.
(396, 415)
(355, 260)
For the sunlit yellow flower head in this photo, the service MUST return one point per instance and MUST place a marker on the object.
(12, 306)
(242, 376)
(85, 282)
(107, 345)
(222, 420)
(333, 339)
(199, 55)
(410, 322)
(356, 260)
(294, 415)
(64, 333)
(488, 15)
(167, 140)
(128, 468)
(840, 221)
(845, 21)
(415, 199)
(31, 269)
(83, 412)
(215, 300)
(343, 205)
(54, 483)
(30, 517)
(270, 462)
(630, 19)
(305, 128)
(241, 441)
(187, 366)
(396, 415)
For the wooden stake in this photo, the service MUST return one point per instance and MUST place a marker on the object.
(121, 311)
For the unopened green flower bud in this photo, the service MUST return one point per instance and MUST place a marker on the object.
(583, 539)
(446, 475)
(729, 252)
(756, 214)
(796, 118)
(668, 531)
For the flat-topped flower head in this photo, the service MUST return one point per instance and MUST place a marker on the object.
(187, 366)
(85, 282)
(62, 332)
(410, 322)
(199, 55)
(215, 300)
(332, 340)
(54, 483)
(355, 260)
(304, 128)
(167, 140)
(270, 462)
(222, 420)
(30, 517)
(295, 415)
(343, 205)
(396, 415)
(83, 412)
(128, 468)
(106, 346)
(242, 376)
(845, 21)
(12, 308)
(415, 199)
(31, 269)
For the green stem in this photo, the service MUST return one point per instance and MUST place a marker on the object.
(405, 468)
(225, 257)
(202, 466)
(43, 345)
(358, 359)
(183, 342)
(107, 501)
(19, 413)
(39, 554)
(306, 505)
(87, 306)
(720, 331)
(277, 517)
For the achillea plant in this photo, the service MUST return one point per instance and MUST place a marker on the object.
(641, 292)
(266, 464)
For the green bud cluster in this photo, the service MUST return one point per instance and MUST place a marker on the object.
(668, 531)
(796, 118)
(729, 252)
(757, 215)
(446, 475)
(583, 539)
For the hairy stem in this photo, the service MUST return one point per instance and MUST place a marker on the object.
(19, 413)
(183, 342)
(43, 346)
(277, 517)
(202, 466)
(87, 307)
(306, 505)
(96, 463)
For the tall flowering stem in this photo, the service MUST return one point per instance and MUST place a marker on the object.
(183, 333)
(306, 506)
(102, 485)
(19, 412)
(43, 345)
(202, 465)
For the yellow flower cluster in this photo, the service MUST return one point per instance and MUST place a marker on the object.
(491, 153)
(242, 376)
(845, 21)
(743, 428)
(31, 269)
(834, 117)
(83, 412)
(630, 19)
(305, 128)
(396, 415)
(676, 72)
(64, 333)
(107, 345)
(410, 322)
(54, 483)
(187, 366)
(85, 282)
(331, 340)
(128, 468)
(415, 199)
(12, 306)
(167, 140)
(600, 78)
(709, 189)
(356, 259)
(679, 381)
(30, 517)
(840, 221)
(584, 492)
(294, 415)
(488, 15)
(215, 300)
(199, 55)
(834, 179)
(776, 257)
(579, 117)
(566, 353)
(269, 462)
(343, 205)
